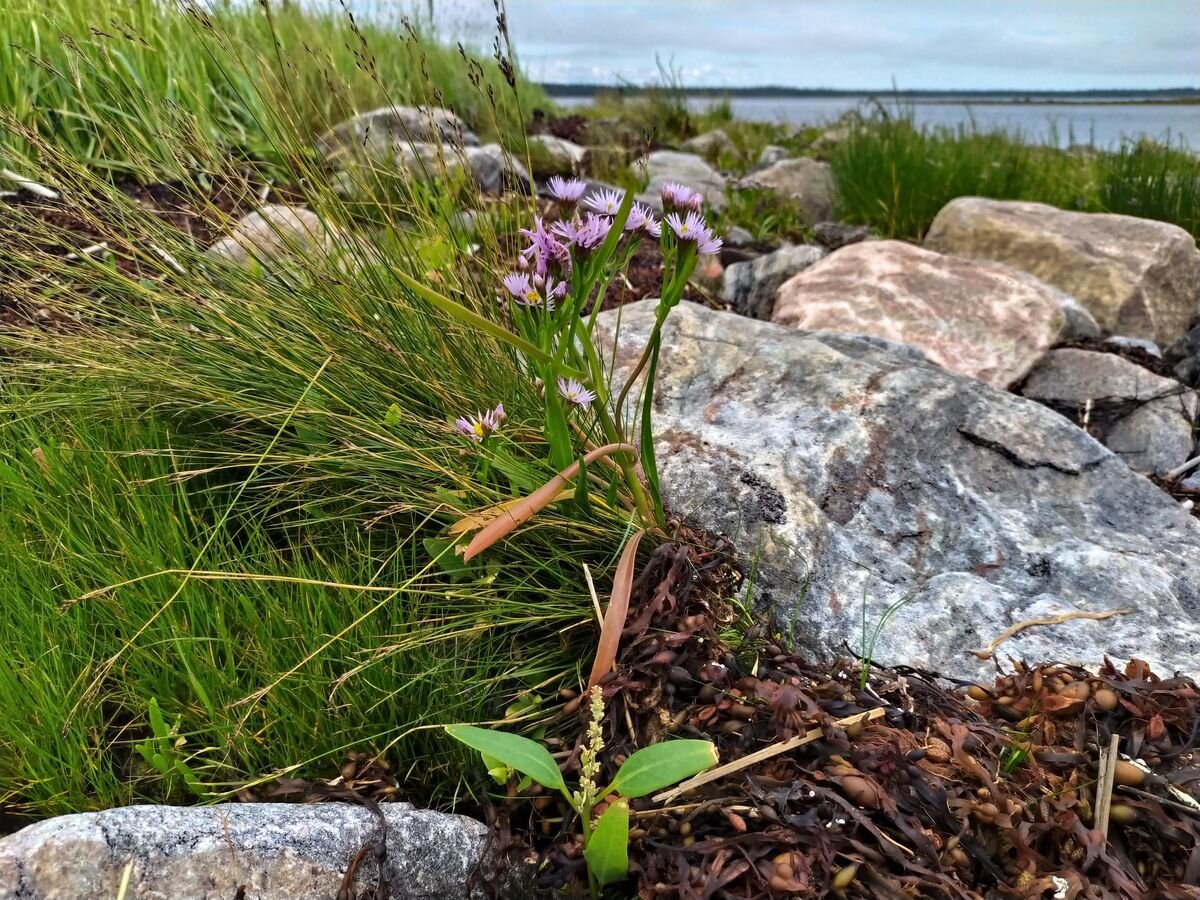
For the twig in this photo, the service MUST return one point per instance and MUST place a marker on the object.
(87, 251)
(1104, 790)
(168, 259)
(1182, 469)
(990, 650)
(32, 186)
(813, 734)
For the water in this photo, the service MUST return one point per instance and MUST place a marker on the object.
(1046, 122)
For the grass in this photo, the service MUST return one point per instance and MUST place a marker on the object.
(224, 77)
(227, 493)
(895, 176)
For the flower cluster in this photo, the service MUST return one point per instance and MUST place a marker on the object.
(481, 425)
(680, 196)
(538, 290)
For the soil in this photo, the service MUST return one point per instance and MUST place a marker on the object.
(896, 783)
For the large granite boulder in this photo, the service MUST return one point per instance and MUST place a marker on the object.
(495, 170)
(976, 318)
(1144, 418)
(710, 143)
(804, 182)
(272, 232)
(749, 287)
(1136, 276)
(257, 851)
(668, 166)
(375, 134)
(856, 478)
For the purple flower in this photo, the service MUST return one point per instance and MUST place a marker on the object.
(680, 196)
(481, 425)
(574, 392)
(693, 228)
(653, 227)
(567, 190)
(639, 215)
(545, 250)
(517, 284)
(607, 202)
(585, 235)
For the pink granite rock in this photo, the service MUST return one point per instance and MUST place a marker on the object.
(980, 319)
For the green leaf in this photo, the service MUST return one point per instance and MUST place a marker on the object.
(581, 489)
(661, 765)
(392, 417)
(646, 438)
(607, 852)
(558, 435)
(516, 752)
(158, 725)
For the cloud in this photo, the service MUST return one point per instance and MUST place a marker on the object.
(863, 44)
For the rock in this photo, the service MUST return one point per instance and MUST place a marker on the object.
(738, 237)
(855, 479)
(803, 181)
(272, 232)
(1132, 343)
(750, 287)
(666, 166)
(376, 134)
(559, 155)
(975, 318)
(1080, 325)
(1184, 355)
(495, 169)
(1144, 418)
(710, 143)
(835, 235)
(830, 139)
(263, 851)
(1136, 276)
(773, 153)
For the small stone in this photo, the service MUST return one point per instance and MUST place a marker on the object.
(710, 143)
(738, 237)
(375, 134)
(495, 170)
(555, 155)
(272, 232)
(1080, 325)
(835, 235)
(750, 287)
(773, 153)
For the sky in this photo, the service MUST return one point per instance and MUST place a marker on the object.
(1026, 45)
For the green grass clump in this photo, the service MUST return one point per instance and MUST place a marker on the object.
(227, 493)
(895, 176)
(125, 84)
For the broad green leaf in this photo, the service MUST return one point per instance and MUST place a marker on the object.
(516, 752)
(661, 765)
(649, 462)
(392, 416)
(607, 852)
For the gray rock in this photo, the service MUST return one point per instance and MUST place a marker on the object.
(750, 287)
(267, 851)
(1136, 276)
(855, 478)
(773, 153)
(1184, 355)
(667, 166)
(1080, 324)
(738, 237)
(830, 139)
(272, 232)
(710, 143)
(495, 170)
(805, 182)
(835, 235)
(1121, 340)
(561, 155)
(1144, 418)
(375, 134)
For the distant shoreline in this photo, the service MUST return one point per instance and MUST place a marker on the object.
(1163, 97)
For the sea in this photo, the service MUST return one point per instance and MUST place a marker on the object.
(1103, 123)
